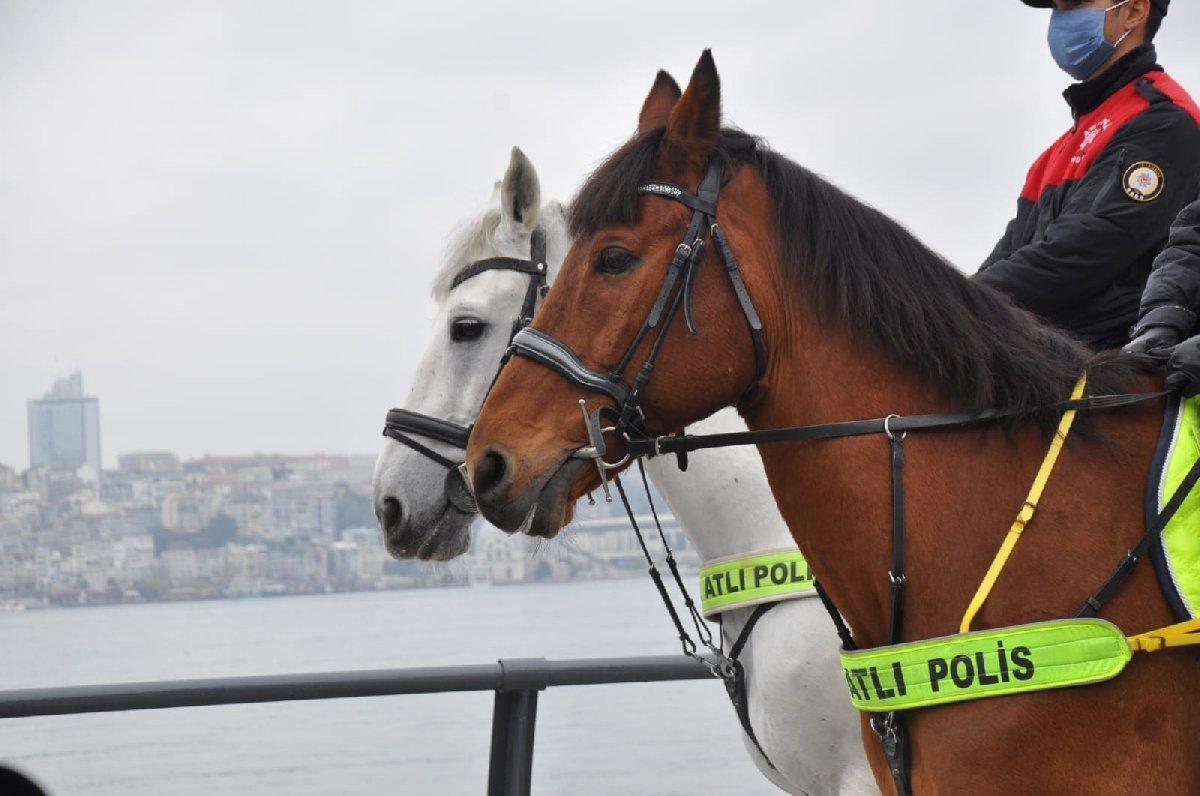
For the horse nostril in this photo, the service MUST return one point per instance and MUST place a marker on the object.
(390, 515)
(491, 474)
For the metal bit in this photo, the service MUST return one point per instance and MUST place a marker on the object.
(594, 451)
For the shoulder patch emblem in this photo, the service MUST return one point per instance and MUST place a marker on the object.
(1143, 181)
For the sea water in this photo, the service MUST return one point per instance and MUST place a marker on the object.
(657, 738)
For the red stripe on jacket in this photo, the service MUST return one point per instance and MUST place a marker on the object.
(1070, 157)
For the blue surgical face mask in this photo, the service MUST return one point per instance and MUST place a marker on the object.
(1077, 40)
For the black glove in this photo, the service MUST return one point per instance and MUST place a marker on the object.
(1156, 341)
(1183, 368)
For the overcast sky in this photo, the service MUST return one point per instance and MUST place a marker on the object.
(227, 214)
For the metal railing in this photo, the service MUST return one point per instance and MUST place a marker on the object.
(516, 682)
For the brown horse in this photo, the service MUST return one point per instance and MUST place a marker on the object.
(861, 320)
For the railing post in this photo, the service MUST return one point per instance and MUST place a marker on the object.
(510, 769)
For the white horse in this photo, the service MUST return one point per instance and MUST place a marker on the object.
(797, 698)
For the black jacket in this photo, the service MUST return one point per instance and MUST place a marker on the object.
(1172, 296)
(1097, 205)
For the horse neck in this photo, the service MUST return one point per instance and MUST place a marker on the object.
(835, 495)
(723, 501)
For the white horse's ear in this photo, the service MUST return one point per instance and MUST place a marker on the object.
(520, 192)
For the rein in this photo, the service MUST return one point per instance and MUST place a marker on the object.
(726, 666)
(893, 424)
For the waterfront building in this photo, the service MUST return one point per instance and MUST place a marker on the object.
(610, 541)
(345, 563)
(55, 483)
(20, 505)
(64, 428)
(149, 462)
(9, 480)
(186, 512)
(251, 510)
(372, 557)
(496, 558)
(133, 559)
(181, 565)
(300, 508)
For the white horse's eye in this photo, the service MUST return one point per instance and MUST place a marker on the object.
(464, 329)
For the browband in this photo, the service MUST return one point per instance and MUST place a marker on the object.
(890, 425)
(667, 190)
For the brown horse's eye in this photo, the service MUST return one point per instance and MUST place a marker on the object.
(615, 260)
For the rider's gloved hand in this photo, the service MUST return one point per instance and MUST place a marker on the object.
(1183, 368)
(1156, 341)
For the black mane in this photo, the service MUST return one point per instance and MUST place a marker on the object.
(864, 270)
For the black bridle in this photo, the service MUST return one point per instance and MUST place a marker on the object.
(675, 293)
(402, 424)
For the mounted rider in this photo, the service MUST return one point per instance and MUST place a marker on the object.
(1171, 304)
(1171, 301)
(1097, 205)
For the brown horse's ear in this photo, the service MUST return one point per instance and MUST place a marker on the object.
(657, 108)
(696, 119)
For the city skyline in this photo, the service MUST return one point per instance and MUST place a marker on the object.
(69, 391)
(162, 528)
(159, 526)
